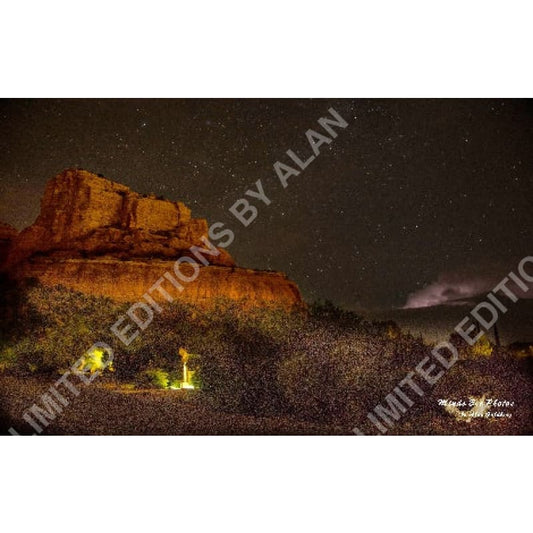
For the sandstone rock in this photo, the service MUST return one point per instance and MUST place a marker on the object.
(89, 215)
(128, 281)
(153, 214)
(100, 237)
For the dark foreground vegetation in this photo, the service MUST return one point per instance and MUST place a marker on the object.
(255, 372)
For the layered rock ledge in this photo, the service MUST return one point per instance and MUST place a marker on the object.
(128, 281)
(99, 237)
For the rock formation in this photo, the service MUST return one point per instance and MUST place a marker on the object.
(128, 281)
(100, 237)
(85, 215)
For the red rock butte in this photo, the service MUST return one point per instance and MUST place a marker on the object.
(99, 237)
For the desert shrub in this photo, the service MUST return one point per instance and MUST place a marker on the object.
(56, 326)
(306, 383)
(235, 353)
(8, 357)
(153, 377)
(95, 360)
(327, 365)
(333, 371)
(481, 348)
(221, 377)
(158, 345)
(328, 313)
(237, 367)
(327, 375)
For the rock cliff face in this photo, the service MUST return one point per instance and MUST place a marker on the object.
(100, 237)
(128, 281)
(85, 215)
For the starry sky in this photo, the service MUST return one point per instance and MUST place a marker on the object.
(411, 196)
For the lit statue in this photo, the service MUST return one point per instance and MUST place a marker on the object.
(187, 374)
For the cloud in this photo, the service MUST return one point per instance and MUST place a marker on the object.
(458, 289)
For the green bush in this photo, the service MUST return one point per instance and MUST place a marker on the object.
(8, 358)
(153, 377)
(55, 326)
(326, 366)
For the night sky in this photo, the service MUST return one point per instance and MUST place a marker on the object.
(413, 193)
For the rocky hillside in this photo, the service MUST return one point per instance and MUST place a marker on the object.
(102, 238)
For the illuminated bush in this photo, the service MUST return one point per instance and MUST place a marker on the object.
(55, 326)
(154, 377)
(95, 360)
(8, 358)
(481, 348)
(327, 366)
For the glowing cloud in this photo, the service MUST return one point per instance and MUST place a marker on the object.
(457, 289)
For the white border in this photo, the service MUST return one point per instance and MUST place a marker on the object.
(282, 48)
(269, 484)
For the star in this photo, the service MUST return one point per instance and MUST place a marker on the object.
(394, 198)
